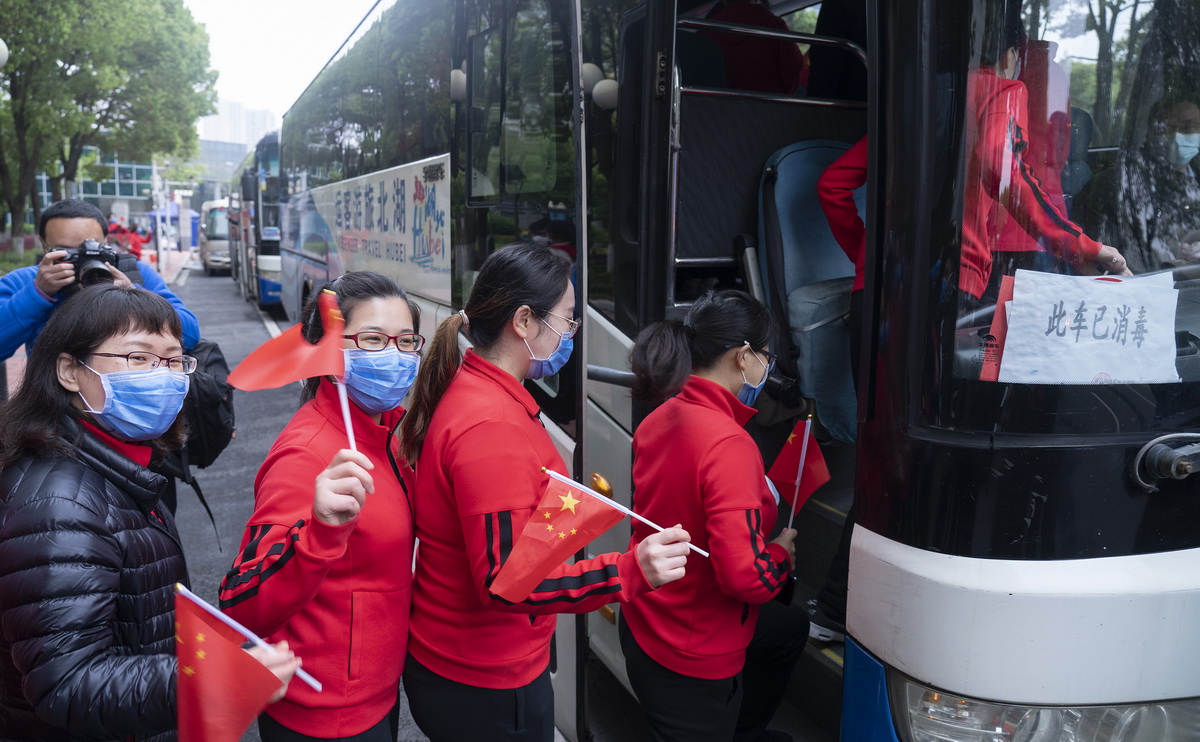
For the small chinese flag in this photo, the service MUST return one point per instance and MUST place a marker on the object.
(565, 521)
(221, 687)
(787, 472)
(289, 357)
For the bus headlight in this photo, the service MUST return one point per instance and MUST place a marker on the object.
(924, 714)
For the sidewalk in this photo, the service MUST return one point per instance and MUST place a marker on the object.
(174, 262)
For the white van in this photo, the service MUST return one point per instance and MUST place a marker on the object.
(214, 236)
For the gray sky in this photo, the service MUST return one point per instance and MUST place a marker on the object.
(267, 51)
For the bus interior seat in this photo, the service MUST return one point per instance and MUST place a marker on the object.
(807, 278)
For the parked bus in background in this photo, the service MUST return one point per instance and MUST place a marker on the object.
(1016, 525)
(254, 222)
(214, 236)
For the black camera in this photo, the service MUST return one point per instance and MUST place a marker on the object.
(89, 260)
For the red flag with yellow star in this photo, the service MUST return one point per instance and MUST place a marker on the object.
(799, 464)
(565, 521)
(221, 687)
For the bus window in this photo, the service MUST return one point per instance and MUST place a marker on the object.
(484, 119)
(1078, 156)
(515, 105)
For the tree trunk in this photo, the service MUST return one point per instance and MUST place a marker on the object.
(56, 183)
(16, 207)
(28, 156)
(36, 199)
(70, 162)
(1104, 81)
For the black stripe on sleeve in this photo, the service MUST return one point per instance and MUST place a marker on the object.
(285, 551)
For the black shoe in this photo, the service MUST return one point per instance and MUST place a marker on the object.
(774, 735)
(821, 627)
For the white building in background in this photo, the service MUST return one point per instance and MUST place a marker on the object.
(234, 122)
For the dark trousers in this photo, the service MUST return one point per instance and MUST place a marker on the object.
(447, 711)
(778, 642)
(681, 707)
(386, 730)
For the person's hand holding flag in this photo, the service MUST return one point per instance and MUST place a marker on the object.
(341, 489)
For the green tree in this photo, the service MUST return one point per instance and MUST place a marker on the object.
(1083, 85)
(31, 97)
(130, 76)
(1104, 19)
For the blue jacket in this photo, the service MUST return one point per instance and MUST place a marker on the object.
(24, 311)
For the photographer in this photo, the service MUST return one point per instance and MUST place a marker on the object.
(28, 296)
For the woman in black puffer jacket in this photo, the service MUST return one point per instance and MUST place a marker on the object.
(88, 557)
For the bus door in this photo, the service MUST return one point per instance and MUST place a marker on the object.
(692, 144)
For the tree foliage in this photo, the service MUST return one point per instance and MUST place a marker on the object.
(130, 76)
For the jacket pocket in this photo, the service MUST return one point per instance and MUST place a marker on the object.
(378, 629)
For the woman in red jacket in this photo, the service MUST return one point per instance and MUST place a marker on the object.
(327, 567)
(694, 464)
(1003, 184)
(478, 666)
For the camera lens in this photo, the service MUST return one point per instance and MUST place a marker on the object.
(92, 272)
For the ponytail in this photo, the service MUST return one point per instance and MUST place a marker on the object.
(666, 353)
(661, 361)
(440, 364)
(516, 275)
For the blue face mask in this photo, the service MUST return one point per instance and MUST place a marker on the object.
(378, 380)
(1185, 149)
(540, 368)
(748, 394)
(139, 405)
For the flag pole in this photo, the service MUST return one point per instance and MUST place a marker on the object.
(250, 635)
(800, 469)
(346, 413)
(615, 505)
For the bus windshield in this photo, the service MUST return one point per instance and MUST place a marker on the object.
(1076, 187)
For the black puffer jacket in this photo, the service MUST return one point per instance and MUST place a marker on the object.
(88, 560)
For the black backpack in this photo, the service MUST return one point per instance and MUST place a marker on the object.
(208, 406)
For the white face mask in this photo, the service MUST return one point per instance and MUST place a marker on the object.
(1184, 149)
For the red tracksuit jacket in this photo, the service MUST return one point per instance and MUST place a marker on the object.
(694, 464)
(835, 189)
(478, 480)
(339, 595)
(1002, 184)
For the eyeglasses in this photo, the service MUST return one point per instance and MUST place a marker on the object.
(771, 358)
(572, 325)
(143, 361)
(408, 342)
